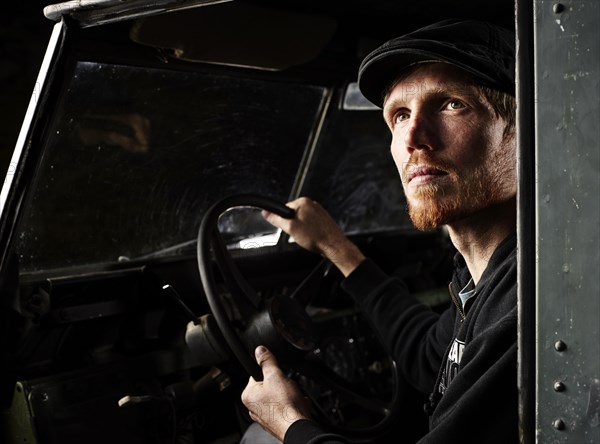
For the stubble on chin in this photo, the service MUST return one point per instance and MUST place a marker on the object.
(435, 205)
(430, 206)
(469, 191)
(430, 212)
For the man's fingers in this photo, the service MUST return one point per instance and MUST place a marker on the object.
(264, 357)
(266, 360)
(276, 220)
(294, 205)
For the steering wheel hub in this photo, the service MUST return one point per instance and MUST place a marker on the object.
(293, 323)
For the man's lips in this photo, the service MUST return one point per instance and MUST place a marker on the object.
(423, 173)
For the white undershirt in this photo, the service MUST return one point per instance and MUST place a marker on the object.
(467, 292)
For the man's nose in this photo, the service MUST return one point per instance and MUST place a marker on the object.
(419, 133)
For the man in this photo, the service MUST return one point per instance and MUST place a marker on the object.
(447, 96)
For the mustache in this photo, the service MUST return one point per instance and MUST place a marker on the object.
(417, 163)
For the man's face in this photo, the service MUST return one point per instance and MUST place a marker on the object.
(448, 146)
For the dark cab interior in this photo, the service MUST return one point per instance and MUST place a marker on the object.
(143, 125)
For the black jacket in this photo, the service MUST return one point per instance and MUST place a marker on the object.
(466, 358)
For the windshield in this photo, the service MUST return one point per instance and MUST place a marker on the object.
(137, 155)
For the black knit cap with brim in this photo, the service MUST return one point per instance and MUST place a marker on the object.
(485, 50)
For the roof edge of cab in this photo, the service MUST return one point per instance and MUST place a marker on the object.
(98, 12)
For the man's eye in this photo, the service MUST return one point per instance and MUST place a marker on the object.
(401, 117)
(456, 104)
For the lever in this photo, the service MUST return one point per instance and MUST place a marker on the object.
(172, 293)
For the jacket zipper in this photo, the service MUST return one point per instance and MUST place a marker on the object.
(456, 302)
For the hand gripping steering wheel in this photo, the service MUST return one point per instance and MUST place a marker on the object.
(280, 323)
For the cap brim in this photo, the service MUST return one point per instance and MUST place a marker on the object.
(377, 73)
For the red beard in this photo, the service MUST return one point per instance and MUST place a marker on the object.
(443, 203)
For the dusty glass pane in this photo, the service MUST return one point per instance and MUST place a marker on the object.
(353, 175)
(137, 155)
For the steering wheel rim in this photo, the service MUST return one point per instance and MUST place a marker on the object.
(207, 235)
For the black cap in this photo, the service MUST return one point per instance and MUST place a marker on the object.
(485, 50)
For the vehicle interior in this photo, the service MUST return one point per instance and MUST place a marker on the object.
(141, 274)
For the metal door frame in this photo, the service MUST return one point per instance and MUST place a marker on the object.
(558, 72)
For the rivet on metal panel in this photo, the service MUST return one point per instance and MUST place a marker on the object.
(559, 386)
(558, 424)
(558, 8)
(560, 346)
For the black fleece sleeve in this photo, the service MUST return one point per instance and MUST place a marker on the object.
(413, 334)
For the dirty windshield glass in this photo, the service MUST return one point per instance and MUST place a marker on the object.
(136, 156)
(353, 175)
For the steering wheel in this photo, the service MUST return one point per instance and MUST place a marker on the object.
(281, 323)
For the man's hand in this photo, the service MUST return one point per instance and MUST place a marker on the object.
(276, 402)
(314, 229)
